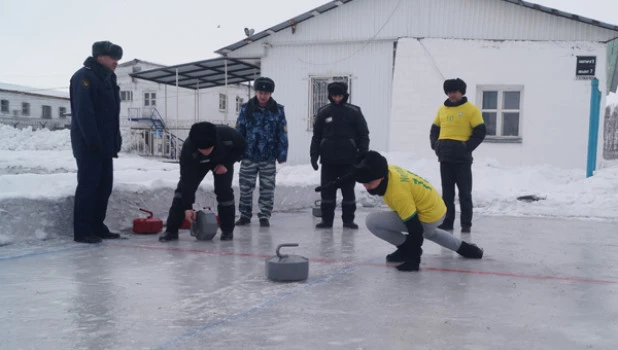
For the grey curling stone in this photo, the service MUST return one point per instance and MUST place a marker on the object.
(317, 209)
(287, 268)
(205, 226)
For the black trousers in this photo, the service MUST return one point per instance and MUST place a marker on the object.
(329, 173)
(95, 177)
(226, 207)
(459, 174)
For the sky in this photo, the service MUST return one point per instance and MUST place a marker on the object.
(38, 167)
(47, 41)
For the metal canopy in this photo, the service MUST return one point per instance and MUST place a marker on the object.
(205, 74)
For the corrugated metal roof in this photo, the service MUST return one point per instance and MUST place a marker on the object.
(34, 91)
(205, 74)
(334, 4)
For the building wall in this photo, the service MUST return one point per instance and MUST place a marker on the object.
(370, 68)
(15, 115)
(555, 106)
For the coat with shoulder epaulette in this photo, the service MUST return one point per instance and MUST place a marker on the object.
(340, 134)
(95, 111)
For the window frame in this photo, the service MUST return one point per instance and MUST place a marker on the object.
(46, 112)
(500, 110)
(5, 106)
(222, 102)
(62, 112)
(314, 106)
(150, 99)
(25, 109)
(128, 95)
(239, 102)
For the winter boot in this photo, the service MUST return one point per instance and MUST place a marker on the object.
(470, 251)
(445, 227)
(88, 239)
(264, 222)
(396, 256)
(109, 235)
(351, 225)
(324, 224)
(227, 236)
(411, 252)
(465, 229)
(168, 236)
(243, 221)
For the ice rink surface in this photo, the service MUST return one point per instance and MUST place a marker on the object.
(544, 283)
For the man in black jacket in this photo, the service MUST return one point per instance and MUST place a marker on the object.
(95, 139)
(213, 148)
(340, 134)
(457, 130)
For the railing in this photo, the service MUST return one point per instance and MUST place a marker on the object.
(155, 143)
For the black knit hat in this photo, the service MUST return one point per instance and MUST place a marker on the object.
(371, 166)
(264, 84)
(451, 85)
(106, 48)
(203, 135)
(337, 88)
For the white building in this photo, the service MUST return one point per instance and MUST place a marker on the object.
(144, 101)
(22, 106)
(519, 60)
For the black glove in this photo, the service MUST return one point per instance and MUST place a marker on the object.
(314, 164)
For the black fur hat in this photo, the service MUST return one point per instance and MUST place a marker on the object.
(264, 84)
(337, 88)
(203, 135)
(451, 85)
(371, 166)
(106, 48)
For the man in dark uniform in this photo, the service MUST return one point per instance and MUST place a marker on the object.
(95, 139)
(340, 134)
(457, 130)
(213, 148)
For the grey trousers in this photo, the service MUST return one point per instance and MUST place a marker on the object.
(247, 177)
(388, 226)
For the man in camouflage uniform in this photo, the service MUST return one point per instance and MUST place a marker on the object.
(262, 123)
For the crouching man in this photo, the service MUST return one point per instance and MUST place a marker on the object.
(416, 208)
(213, 148)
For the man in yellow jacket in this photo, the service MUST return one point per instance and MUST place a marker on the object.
(416, 208)
(457, 130)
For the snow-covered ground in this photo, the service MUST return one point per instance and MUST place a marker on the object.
(37, 184)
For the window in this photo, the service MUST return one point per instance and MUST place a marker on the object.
(222, 102)
(62, 112)
(4, 106)
(126, 95)
(239, 102)
(501, 109)
(46, 113)
(25, 108)
(150, 99)
(318, 94)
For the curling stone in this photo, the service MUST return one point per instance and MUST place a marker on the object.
(205, 226)
(317, 209)
(287, 268)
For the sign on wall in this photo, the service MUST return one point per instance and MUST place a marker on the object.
(586, 67)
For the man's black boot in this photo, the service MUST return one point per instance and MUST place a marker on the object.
(264, 222)
(412, 252)
(324, 224)
(351, 225)
(227, 236)
(109, 235)
(396, 256)
(470, 251)
(243, 221)
(445, 227)
(168, 236)
(88, 239)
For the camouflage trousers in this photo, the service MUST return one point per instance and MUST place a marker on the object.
(249, 171)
